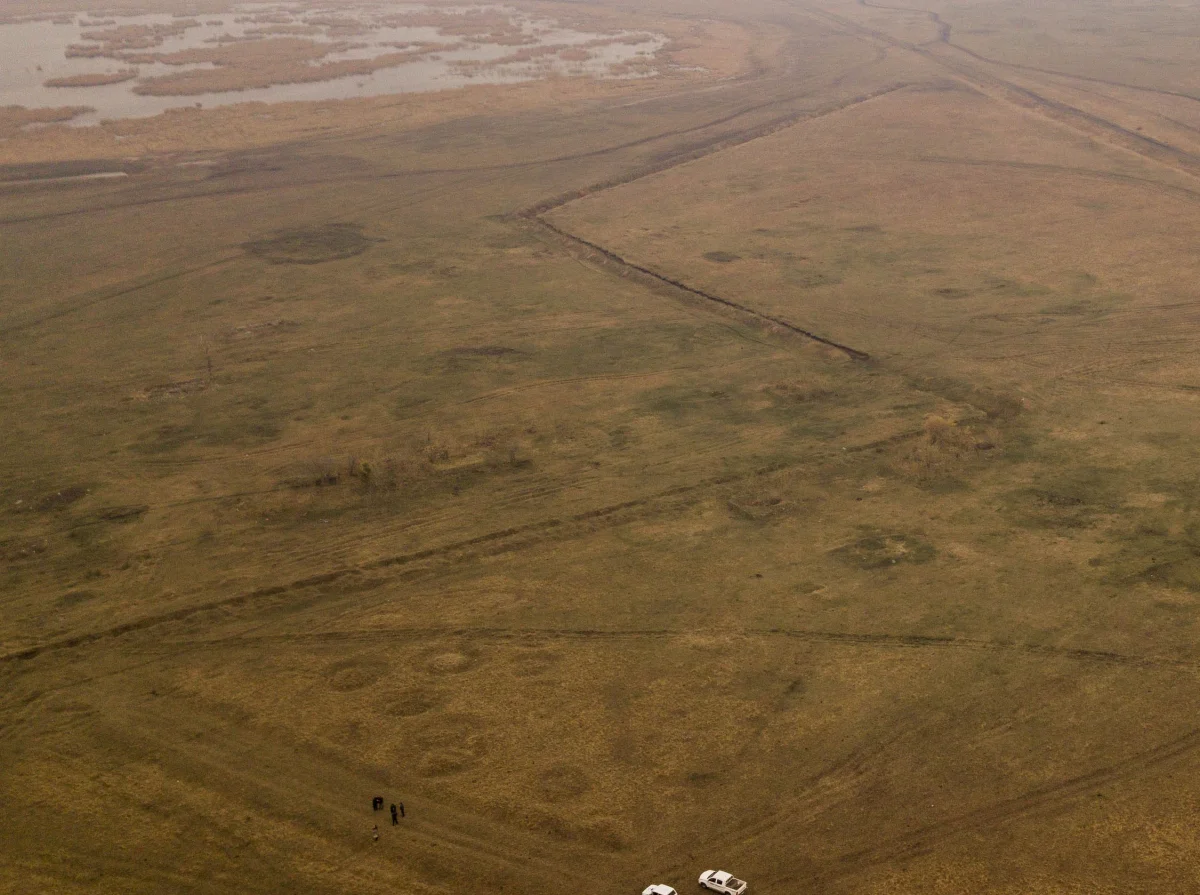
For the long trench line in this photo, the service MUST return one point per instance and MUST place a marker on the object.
(637, 271)
(535, 215)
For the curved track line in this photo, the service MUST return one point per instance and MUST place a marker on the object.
(1092, 173)
(10, 329)
(1077, 119)
(944, 33)
(833, 638)
(1049, 796)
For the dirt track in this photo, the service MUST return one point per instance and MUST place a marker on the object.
(960, 642)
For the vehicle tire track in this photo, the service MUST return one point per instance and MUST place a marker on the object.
(1180, 192)
(694, 153)
(851, 639)
(10, 329)
(492, 543)
(1073, 77)
(943, 28)
(1047, 797)
(417, 172)
(944, 35)
(1026, 98)
(207, 762)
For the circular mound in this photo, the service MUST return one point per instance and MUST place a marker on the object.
(353, 675)
(311, 245)
(450, 744)
(413, 702)
(531, 663)
(75, 597)
(562, 782)
(883, 550)
(450, 661)
(445, 762)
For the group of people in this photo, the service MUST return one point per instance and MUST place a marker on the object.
(397, 813)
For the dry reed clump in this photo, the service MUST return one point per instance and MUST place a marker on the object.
(338, 26)
(266, 18)
(631, 40)
(14, 118)
(282, 29)
(512, 39)
(99, 79)
(114, 41)
(386, 473)
(526, 54)
(420, 462)
(803, 391)
(565, 52)
(944, 446)
(263, 63)
(759, 505)
(642, 65)
(17, 18)
(83, 51)
(468, 23)
(540, 61)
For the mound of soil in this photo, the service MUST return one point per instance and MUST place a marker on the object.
(312, 245)
(882, 550)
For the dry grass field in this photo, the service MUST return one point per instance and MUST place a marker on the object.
(786, 467)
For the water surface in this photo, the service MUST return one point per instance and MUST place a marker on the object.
(33, 52)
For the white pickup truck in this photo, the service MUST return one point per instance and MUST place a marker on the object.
(720, 881)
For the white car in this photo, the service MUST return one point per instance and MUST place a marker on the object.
(659, 889)
(720, 881)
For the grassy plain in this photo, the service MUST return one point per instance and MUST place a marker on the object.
(791, 471)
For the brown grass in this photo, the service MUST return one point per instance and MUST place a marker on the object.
(467, 23)
(525, 54)
(112, 42)
(262, 63)
(13, 119)
(98, 79)
(602, 577)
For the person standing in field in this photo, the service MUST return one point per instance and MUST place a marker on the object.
(395, 819)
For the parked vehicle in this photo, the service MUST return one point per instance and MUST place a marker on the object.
(659, 889)
(720, 881)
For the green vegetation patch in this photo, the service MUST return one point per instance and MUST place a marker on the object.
(880, 550)
(1155, 554)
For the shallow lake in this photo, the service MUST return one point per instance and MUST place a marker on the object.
(34, 52)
